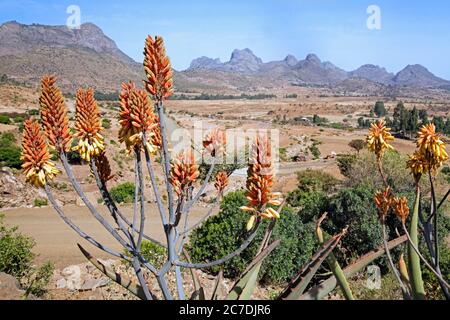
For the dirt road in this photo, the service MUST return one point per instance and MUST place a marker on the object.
(57, 242)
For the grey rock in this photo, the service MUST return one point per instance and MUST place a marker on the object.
(92, 284)
(61, 283)
(9, 288)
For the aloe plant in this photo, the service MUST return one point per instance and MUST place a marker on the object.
(413, 258)
(429, 156)
(143, 132)
(334, 264)
(321, 290)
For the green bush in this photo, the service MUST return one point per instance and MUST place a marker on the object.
(16, 259)
(16, 255)
(4, 119)
(354, 207)
(40, 202)
(9, 152)
(33, 112)
(217, 238)
(446, 173)
(154, 253)
(106, 123)
(345, 163)
(315, 151)
(316, 180)
(362, 170)
(123, 193)
(311, 204)
(6, 138)
(19, 119)
(38, 279)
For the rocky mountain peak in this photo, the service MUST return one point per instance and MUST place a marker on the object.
(373, 73)
(418, 76)
(205, 63)
(313, 58)
(291, 60)
(16, 37)
(245, 55)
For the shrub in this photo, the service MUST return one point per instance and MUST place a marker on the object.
(446, 173)
(319, 120)
(4, 119)
(316, 180)
(315, 151)
(9, 152)
(19, 119)
(6, 138)
(16, 259)
(217, 237)
(362, 170)
(38, 279)
(106, 123)
(16, 255)
(311, 203)
(154, 253)
(354, 207)
(33, 112)
(123, 193)
(40, 202)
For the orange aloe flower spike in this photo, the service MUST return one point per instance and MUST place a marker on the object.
(37, 167)
(88, 126)
(158, 69)
(54, 115)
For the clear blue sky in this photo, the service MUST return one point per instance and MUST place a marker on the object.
(411, 31)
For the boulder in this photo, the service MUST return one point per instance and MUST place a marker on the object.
(10, 288)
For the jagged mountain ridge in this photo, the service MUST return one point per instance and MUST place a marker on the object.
(312, 70)
(87, 57)
(79, 57)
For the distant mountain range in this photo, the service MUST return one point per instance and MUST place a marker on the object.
(87, 57)
(84, 57)
(312, 70)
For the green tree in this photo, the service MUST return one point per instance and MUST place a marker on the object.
(413, 124)
(361, 122)
(423, 116)
(357, 144)
(439, 123)
(379, 109)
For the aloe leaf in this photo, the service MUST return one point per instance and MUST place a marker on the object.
(413, 258)
(215, 294)
(324, 288)
(244, 287)
(334, 264)
(299, 284)
(124, 281)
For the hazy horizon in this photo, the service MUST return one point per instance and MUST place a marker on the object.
(336, 31)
